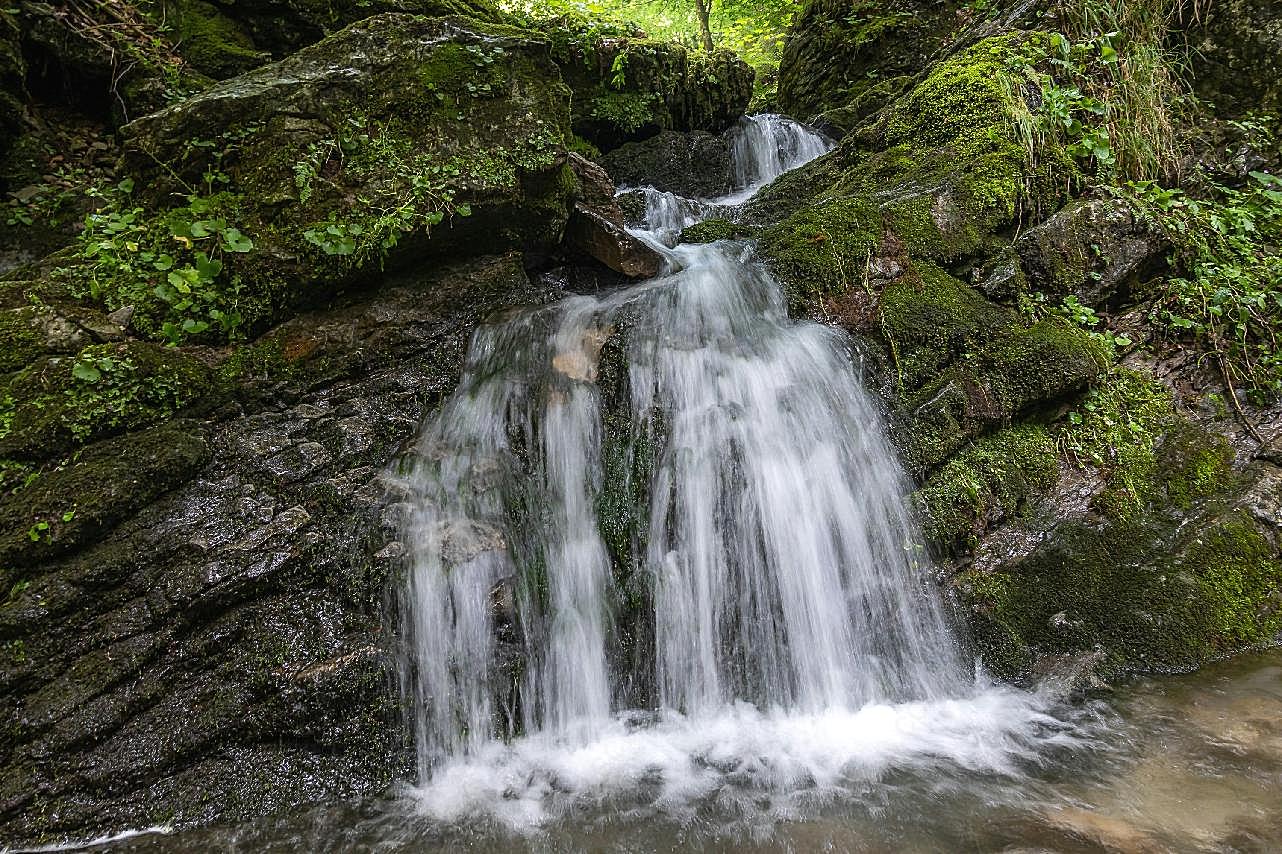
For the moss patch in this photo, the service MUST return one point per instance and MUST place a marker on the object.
(60, 402)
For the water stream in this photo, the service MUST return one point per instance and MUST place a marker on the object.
(664, 596)
(793, 643)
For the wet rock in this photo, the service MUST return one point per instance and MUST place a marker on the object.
(596, 227)
(612, 245)
(694, 165)
(221, 649)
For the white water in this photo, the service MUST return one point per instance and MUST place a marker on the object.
(793, 643)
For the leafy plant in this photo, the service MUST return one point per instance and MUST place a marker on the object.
(1229, 294)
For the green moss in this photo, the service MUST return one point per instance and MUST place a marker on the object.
(24, 341)
(60, 402)
(943, 174)
(824, 249)
(985, 482)
(208, 40)
(965, 365)
(711, 230)
(1240, 579)
(1150, 594)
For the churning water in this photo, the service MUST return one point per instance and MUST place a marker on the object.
(691, 587)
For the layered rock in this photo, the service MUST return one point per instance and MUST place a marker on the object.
(217, 582)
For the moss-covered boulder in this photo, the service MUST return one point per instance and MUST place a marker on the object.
(1095, 250)
(398, 139)
(943, 174)
(59, 402)
(840, 50)
(627, 87)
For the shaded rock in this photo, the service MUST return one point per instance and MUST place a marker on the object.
(694, 165)
(837, 52)
(283, 26)
(596, 226)
(73, 505)
(13, 73)
(210, 41)
(1093, 249)
(112, 62)
(1236, 56)
(611, 244)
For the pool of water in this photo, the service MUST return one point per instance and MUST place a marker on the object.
(1178, 764)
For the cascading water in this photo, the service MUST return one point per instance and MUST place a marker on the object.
(795, 641)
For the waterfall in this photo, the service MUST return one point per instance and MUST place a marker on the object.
(778, 627)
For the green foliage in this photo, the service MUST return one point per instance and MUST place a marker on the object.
(1109, 87)
(754, 29)
(169, 266)
(423, 199)
(1229, 295)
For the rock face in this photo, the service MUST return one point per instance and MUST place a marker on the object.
(1093, 249)
(398, 139)
(694, 165)
(217, 583)
(838, 51)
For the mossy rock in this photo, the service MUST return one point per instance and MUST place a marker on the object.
(838, 50)
(945, 173)
(1151, 594)
(991, 479)
(61, 402)
(398, 139)
(965, 365)
(1156, 552)
(711, 230)
(281, 27)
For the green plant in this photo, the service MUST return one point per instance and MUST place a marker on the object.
(1228, 296)
(176, 257)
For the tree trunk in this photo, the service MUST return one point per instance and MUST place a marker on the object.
(703, 8)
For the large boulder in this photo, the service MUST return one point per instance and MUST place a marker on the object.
(1095, 250)
(398, 139)
(695, 165)
(838, 50)
(628, 87)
